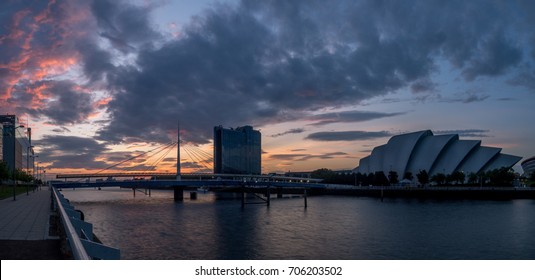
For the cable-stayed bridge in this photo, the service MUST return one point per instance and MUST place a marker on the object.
(141, 171)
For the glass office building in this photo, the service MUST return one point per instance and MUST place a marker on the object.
(14, 142)
(237, 151)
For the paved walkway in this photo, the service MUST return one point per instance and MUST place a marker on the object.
(27, 217)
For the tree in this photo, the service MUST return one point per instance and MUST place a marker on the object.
(532, 178)
(457, 177)
(393, 177)
(323, 173)
(408, 176)
(369, 180)
(473, 178)
(501, 177)
(22, 176)
(439, 178)
(379, 179)
(331, 177)
(423, 177)
(449, 179)
(4, 171)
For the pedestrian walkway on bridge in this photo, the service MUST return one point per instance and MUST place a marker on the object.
(24, 227)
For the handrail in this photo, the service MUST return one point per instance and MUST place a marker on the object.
(78, 250)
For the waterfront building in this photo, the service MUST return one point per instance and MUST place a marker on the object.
(14, 142)
(528, 166)
(416, 151)
(237, 151)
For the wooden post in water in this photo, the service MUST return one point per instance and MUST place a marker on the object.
(382, 188)
(193, 195)
(134, 189)
(268, 196)
(149, 192)
(242, 197)
(305, 195)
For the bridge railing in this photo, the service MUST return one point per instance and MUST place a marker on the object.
(80, 233)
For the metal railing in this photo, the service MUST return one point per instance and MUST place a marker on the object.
(79, 233)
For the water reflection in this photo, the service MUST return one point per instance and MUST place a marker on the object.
(216, 227)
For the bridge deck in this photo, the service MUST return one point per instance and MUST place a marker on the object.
(205, 176)
(185, 183)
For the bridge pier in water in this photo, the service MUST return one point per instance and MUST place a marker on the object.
(178, 193)
(279, 192)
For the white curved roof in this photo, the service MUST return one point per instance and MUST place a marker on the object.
(502, 160)
(435, 154)
(453, 155)
(399, 149)
(427, 152)
(364, 165)
(528, 165)
(477, 159)
(376, 159)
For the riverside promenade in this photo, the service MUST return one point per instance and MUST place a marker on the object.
(24, 227)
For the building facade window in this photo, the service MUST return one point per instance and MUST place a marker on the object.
(237, 151)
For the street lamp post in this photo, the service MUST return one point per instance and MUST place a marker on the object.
(33, 169)
(37, 172)
(28, 165)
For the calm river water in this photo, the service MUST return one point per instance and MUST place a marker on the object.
(332, 227)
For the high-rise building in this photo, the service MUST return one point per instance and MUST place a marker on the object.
(237, 151)
(14, 143)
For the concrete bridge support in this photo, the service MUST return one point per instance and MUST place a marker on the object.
(178, 193)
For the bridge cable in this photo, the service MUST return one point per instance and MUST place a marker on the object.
(206, 154)
(208, 161)
(162, 156)
(202, 159)
(123, 161)
(146, 169)
(187, 149)
(207, 157)
(139, 166)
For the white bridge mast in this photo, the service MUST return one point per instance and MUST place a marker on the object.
(178, 154)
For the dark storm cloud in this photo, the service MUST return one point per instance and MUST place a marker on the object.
(496, 55)
(96, 61)
(348, 117)
(190, 164)
(466, 97)
(126, 26)
(291, 157)
(290, 131)
(65, 102)
(305, 157)
(263, 62)
(70, 152)
(256, 62)
(61, 129)
(476, 133)
(526, 79)
(347, 135)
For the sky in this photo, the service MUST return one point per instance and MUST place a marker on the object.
(325, 81)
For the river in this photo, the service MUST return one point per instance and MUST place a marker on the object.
(215, 227)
